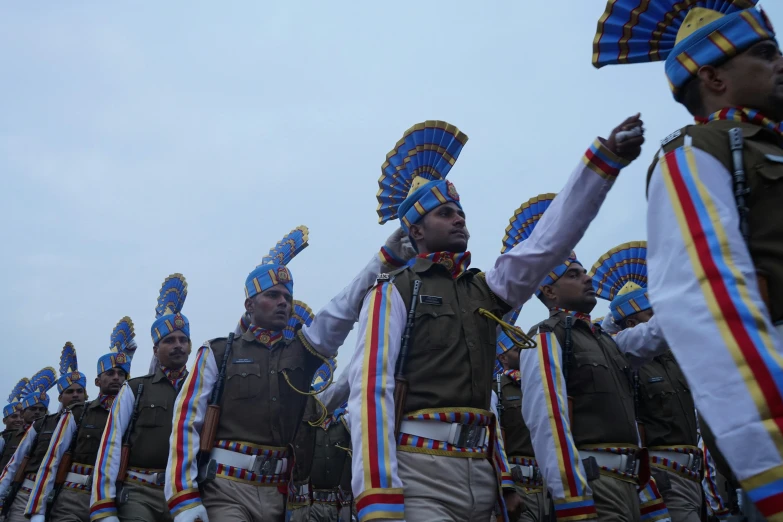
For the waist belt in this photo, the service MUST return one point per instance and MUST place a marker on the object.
(28, 484)
(77, 478)
(258, 464)
(520, 473)
(456, 434)
(324, 496)
(157, 479)
(689, 461)
(625, 463)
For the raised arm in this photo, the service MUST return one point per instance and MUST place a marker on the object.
(332, 324)
(642, 343)
(190, 407)
(7, 477)
(545, 410)
(375, 484)
(700, 269)
(47, 471)
(518, 273)
(107, 465)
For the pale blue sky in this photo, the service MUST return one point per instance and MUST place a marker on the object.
(140, 140)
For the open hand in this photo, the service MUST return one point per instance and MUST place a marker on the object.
(627, 138)
(514, 504)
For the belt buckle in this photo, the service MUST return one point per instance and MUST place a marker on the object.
(469, 436)
(263, 465)
(516, 474)
(630, 464)
(695, 466)
(159, 479)
(88, 482)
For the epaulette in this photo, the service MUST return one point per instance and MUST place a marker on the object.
(671, 137)
(148, 376)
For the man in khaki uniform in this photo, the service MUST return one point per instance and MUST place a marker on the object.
(141, 415)
(299, 499)
(714, 227)
(440, 423)
(267, 371)
(13, 420)
(516, 436)
(666, 414)
(78, 433)
(32, 445)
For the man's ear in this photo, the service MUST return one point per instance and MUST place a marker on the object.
(97, 382)
(549, 292)
(249, 305)
(416, 232)
(711, 79)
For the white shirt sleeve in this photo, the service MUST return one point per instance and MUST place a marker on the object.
(107, 465)
(7, 477)
(518, 273)
(642, 343)
(376, 486)
(190, 408)
(47, 472)
(705, 295)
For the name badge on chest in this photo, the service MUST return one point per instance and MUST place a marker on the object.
(244, 361)
(90, 426)
(653, 380)
(431, 300)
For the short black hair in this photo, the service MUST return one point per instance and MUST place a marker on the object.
(690, 97)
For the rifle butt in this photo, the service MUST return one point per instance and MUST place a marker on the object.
(63, 469)
(19, 475)
(209, 431)
(124, 460)
(642, 434)
(400, 395)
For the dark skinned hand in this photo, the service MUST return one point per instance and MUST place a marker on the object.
(627, 138)
(514, 505)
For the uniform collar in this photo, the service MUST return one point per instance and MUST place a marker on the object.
(743, 115)
(454, 264)
(514, 375)
(104, 401)
(263, 336)
(579, 316)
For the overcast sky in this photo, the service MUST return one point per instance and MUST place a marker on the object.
(141, 140)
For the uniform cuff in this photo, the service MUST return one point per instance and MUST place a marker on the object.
(103, 509)
(576, 508)
(386, 504)
(766, 492)
(388, 257)
(506, 482)
(184, 500)
(653, 510)
(603, 161)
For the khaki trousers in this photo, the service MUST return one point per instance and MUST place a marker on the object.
(72, 506)
(683, 499)
(16, 513)
(145, 504)
(615, 500)
(535, 505)
(226, 499)
(301, 514)
(323, 512)
(446, 489)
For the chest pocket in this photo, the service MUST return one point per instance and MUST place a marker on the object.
(437, 326)
(153, 413)
(659, 396)
(512, 406)
(591, 374)
(90, 436)
(771, 170)
(243, 381)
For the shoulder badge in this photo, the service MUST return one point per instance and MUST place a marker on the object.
(671, 137)
(383, 277)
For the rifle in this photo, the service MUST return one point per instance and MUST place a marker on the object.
(208, 467)
(18, 478)
(501, 408)
(569, 348)
(741, 191)
(400, 382)
(64, 468)
(122, 493)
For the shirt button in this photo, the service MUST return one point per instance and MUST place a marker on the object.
(274, 399)
(463, 311)
(244, 374)
(271, 372)
(152, 405)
